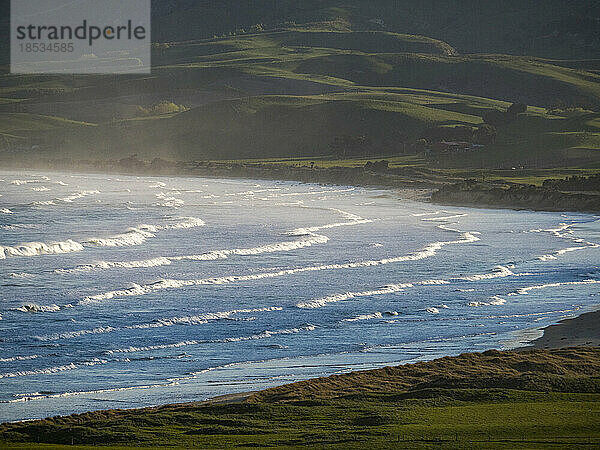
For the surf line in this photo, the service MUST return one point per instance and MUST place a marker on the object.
(307, 237)
(137, 290)
(564, 231)
(133, 236)
(497, 272)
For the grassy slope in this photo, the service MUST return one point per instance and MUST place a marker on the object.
(559, 29)
(386, 83)
(537, 399)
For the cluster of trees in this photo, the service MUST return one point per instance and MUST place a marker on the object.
(161, 107)
(483, 134)
(377, 166)
(462, 136)
(498, 118)
(575, 183)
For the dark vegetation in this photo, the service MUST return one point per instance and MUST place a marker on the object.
(459, 84)
(575, 183)
(517, 196)
(533, 399)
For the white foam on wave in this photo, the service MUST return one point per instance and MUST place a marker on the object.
(444, 218)
(39, 396)
(262, 335)
(133, 236)
(198, 319)
(497, 272)
(208, 256)
(68, 199)
(320, 302)
(252, 192)
(186, 222)
(20, 275)
(138, 290)
(169, 202)
(493, 301)
(40, 189)
(44, 203)
(152, 262)
(312, 239)
(77, 195)
(138, 235)
(20, 358)
(40, 248)
(33, 307)
(352, 219)
(526, 290)
(564, 231)
(331, 191)
(555, 255)
(432, 310)
(22, 182)
(361, 317)
(6, 211)
(55, 369)
(19, 226)
(428, 213)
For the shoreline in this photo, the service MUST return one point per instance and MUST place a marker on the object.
(565, 333)
(580, 331)
(419, 184)
(538, 397)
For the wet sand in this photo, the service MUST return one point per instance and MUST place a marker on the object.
(583, 330)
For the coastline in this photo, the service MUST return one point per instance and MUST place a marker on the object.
(580, 332)
(413, 183)
(560, 335)
(583, 330)
(495, 399)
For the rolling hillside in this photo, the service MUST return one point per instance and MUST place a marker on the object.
(295, 89)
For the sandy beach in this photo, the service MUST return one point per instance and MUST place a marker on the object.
(583, 330)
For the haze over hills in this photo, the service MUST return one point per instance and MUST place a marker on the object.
(266, 79)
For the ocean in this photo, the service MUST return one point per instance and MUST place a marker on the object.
(121, 291)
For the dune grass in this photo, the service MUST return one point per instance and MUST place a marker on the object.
(539, 399)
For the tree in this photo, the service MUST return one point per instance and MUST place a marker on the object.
(516, 108)
(485, 134)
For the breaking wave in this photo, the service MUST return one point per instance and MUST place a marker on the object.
(376, 315)
(40, 248)
(208, 256)
(262, 335)
(528, 289)
(493, 301)
(20, 275)
(55, 369)
(498, 272)
(20, 358)
(564, 231)
(133, 236)
(32, 307)
(197, 319)
(137, 290)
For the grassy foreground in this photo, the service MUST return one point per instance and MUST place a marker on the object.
(532, 399)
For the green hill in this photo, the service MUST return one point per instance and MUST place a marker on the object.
(538, 399)
(298, 88)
